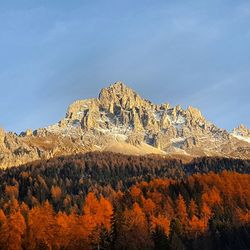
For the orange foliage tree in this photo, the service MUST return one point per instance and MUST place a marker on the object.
(136, 229)
(12, 231)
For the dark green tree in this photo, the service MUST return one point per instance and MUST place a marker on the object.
(160, 239)
(104, 239)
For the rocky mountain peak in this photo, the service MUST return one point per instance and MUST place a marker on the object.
(120, 120)
(120, 112)
(241, 130)
(117, 89)
(120, 108)
(119, 95)
(196, 113)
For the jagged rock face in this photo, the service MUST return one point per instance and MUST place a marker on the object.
(121, 111)
(2, 135)
(242, 133)
(120, 116)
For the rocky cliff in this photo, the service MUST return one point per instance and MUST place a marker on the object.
(242, 133)
(120, 120)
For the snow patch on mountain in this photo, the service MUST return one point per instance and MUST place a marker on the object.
(240, 137)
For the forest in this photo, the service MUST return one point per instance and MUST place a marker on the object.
(112, 201)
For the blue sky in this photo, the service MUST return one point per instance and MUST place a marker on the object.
(182, 52)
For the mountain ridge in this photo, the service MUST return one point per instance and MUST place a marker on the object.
(119, 120)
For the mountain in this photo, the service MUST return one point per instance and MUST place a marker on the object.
(242, 133)
(119, 120)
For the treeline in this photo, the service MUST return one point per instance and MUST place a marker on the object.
(202, 211)
(100, 172)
